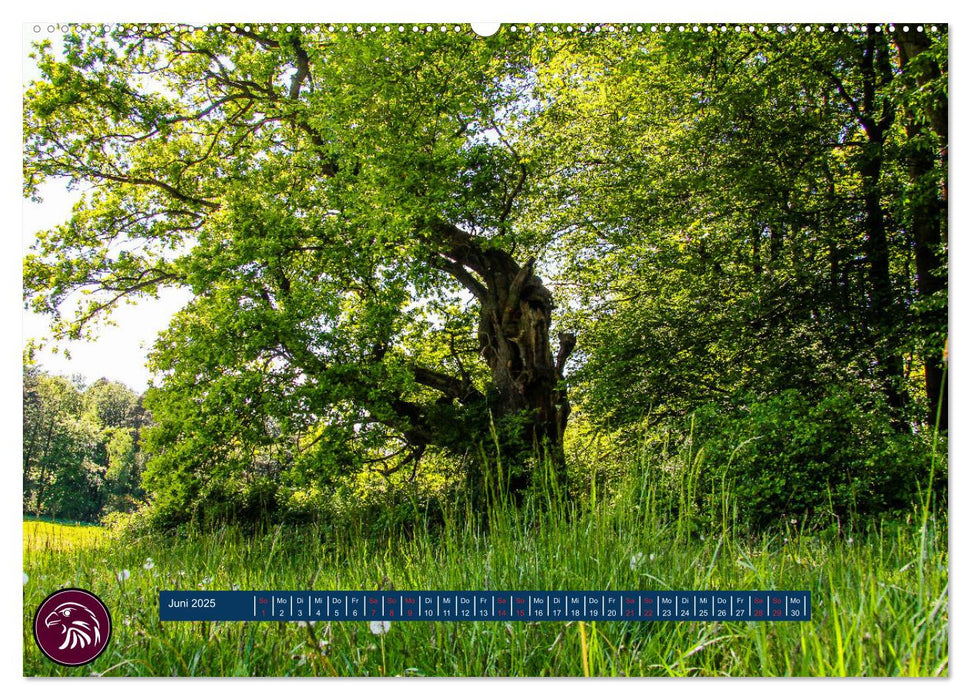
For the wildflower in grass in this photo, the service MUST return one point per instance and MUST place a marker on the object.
(849, 540)
(380, 627)
(235, 586)
(301, 623)
(25, 578)
(207, 580)
(635, 560)
(123, 575)
(149, 564)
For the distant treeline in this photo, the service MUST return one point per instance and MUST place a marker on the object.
(81, 453)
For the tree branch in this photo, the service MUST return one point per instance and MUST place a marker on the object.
(568, 341)
(450, 386)
(462, 246)
(517, 188)
(461, 275)
(303, 68)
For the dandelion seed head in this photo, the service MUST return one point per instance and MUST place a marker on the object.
(123, 575)
(379, 627)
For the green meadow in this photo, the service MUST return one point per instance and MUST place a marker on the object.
(880, 596)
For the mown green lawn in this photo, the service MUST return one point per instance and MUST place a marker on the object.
(880, 598)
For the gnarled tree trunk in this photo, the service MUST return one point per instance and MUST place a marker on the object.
(514, 341)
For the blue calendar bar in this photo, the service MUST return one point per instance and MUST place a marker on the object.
(485, 606)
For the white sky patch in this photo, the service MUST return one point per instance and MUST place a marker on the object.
(119, 352)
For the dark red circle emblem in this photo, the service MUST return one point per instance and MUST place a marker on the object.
(72, 627)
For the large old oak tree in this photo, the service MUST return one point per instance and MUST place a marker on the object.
(345, 211)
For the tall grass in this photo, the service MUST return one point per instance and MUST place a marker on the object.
(59, 535)
(879, 594)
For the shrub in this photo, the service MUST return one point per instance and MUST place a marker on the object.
(793, 456)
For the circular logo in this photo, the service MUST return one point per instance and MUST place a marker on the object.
(72, 627)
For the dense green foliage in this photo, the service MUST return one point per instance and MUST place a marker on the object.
(824, 462)
(81, 457)
(414, 254)
(742, 216)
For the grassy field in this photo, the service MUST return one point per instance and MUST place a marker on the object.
(57, 536)
(880, 598)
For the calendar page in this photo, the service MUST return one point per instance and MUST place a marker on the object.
(449, 349)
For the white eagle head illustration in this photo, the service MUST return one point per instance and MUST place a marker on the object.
(78, 623)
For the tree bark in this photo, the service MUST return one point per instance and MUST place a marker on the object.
(882, 303)
(928, 225)
(883, 310)
(515, 315)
